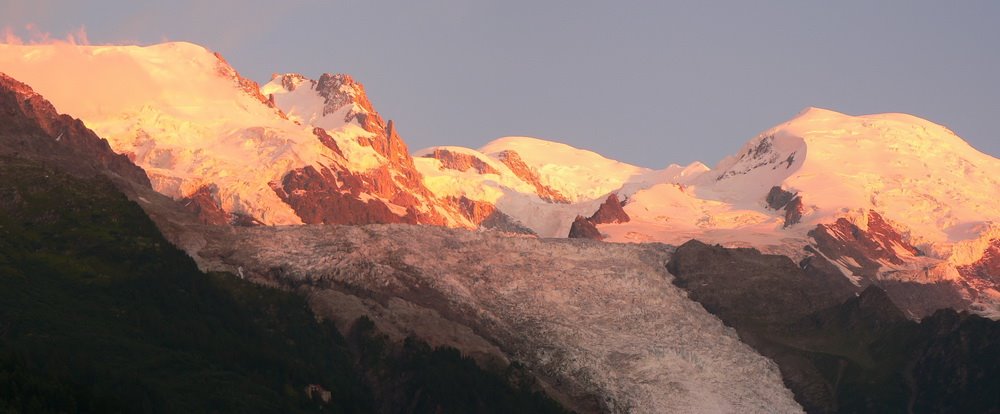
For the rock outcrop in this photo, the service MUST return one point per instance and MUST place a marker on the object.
(793, 211)
(610, 211)
(513, 161)
(583, 228)
(460, 162)
(394, 191)
(779, 198)
(868, 250)
(317, 198)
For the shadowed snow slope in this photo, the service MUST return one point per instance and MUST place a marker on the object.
(593, 318)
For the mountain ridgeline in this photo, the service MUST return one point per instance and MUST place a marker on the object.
(202, 243)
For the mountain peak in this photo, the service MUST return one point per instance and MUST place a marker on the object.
(291, 81)
(816, 112)
(340, 90)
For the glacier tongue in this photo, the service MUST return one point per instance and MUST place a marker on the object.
(591, 318)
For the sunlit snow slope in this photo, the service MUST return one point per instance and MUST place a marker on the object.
(931, 196)
(198, 128)
(542, 184)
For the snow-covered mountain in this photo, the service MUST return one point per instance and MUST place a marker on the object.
(880, 197)
(887, 196)
(205, 134)
(887, 200)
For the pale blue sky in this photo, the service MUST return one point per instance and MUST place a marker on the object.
(646, 82)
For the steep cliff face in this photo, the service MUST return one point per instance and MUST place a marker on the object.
(610, 211)
(338, 103)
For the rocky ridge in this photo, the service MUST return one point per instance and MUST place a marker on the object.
(31, 127)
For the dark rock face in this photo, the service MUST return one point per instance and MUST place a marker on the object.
(584, 229)
(865, 252)
(920, 300)
(955, 368)
(31, 128)
(838, 352)
(779, 198)
(460, 162)
(793, 211)
(610, 212)
(327, 140)
(730, 280)
(513, 161)
(880, 243)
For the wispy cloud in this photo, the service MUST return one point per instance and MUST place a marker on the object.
(35, 36)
